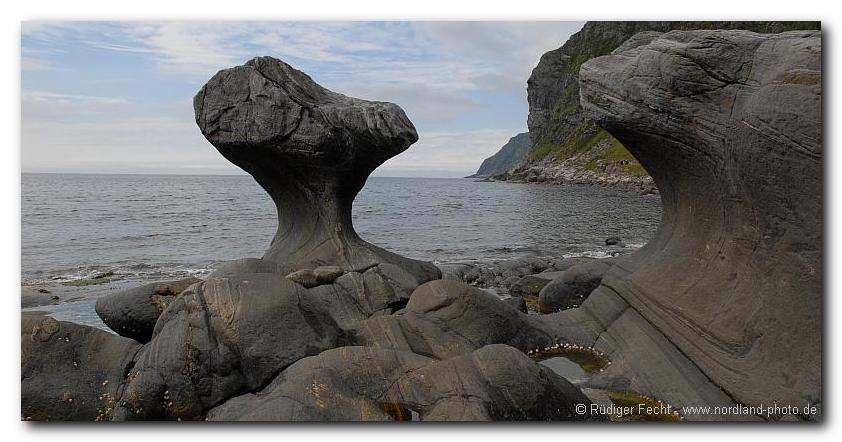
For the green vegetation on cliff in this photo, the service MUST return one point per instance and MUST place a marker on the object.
(556, 125)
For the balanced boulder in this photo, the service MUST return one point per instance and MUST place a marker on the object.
(311, 149)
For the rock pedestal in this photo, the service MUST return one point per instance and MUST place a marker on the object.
(311, 149)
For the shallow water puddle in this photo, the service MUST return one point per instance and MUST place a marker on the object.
(565, 368)
(573, 362)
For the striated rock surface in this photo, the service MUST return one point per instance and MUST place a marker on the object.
(729, 124)
(495, 382)
(223, 338)
(311, 149)
(509, 156)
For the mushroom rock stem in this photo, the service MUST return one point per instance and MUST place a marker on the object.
(312, 150)
(729, 125)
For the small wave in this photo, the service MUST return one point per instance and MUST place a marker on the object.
(132, 271)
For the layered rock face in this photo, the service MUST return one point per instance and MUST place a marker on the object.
(312, 150)
(729, 124)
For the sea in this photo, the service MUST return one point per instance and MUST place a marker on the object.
(143, 228)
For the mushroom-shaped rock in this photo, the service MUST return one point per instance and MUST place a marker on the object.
(729, 125)
(311, 149)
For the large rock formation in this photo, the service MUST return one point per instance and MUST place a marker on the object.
(568, 148)
(509, 156)
(729, 124)
(312, 150)
(495, 382)
(260, 338)
(223, 338)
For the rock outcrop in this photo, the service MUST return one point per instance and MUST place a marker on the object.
(568, 148)
(311, 149)
(509, 156)
(71, 371)
(134, 312)
(729, 123)
(325, 326)
(572, 286)
(30, 297)
(495, 382)
(445, 319)
(223, 338)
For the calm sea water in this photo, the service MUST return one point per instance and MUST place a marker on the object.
(154, 227)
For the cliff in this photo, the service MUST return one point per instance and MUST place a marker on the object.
(565, 146)
(509, 156)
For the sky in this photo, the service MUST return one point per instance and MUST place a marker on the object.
(116, 97)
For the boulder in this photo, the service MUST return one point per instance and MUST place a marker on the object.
(614, 241)
(529, 285)
(305, 277)
(573, 286)
(70, 372)
(355, 296)
(447, 318)
(134, 312)
(311, 149)
(244, 265)
(368, 384)
(30, 297)
(327, 274)
(729, 125)
(222, 338)
(518, 303)
(560, 265)
(455, 272)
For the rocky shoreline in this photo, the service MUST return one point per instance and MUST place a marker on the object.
(550, 171)
(722, 308)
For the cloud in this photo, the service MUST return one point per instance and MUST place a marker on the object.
(138, 144)
(461, 83)
(38, 106)
(35, 64)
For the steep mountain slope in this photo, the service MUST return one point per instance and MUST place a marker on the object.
(565, 147)
(509, 156)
